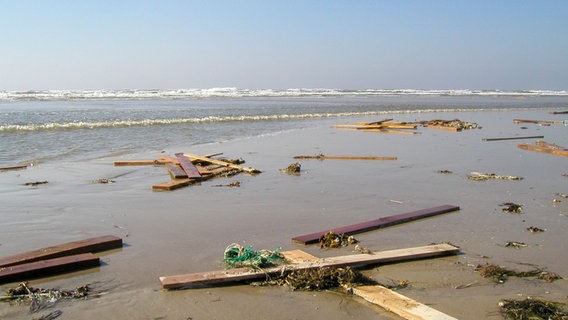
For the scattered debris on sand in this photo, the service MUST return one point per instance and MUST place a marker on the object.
(500, 274)
(35, 183)
(237, 256)
(532, 229)
(510, 207)
(294, 168)
(477, 176)
(334, 240)
(515, 244)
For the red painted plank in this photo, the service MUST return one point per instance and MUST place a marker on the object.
(378, 223)
(188, 167)
(70, 248)
(48, 267)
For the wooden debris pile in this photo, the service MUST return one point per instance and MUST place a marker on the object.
(541, 146)
(186, 169)
(533, 309)
(478, 176)
(382, 126)
(451, 125)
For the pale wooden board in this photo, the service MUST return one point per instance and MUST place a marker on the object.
(323, 157)
(241, 274)
(399, 304)
(194, 157)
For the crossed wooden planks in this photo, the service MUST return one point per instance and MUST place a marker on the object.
(242, 274)
(56, 259)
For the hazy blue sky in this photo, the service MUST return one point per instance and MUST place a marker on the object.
(351, 44)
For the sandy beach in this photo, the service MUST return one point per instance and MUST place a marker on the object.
(187, 230)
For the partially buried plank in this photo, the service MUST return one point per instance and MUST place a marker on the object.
(242, 274)
(83, 246)
(378, 223)
(48, 267)
(381, 296)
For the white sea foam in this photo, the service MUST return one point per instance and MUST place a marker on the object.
(134, 94)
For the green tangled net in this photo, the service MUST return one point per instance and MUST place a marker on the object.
(237, 256)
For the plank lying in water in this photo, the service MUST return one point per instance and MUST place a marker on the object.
(83, 246)
(242, 274)
(198, 158)
(543, 147)
(188, 167)
(513, 138)
(173, 184)
(378, 223)
(18, 167)
(323, 157)
(140, 162)
(48, 267)
(176, 171)
(448, 128)
(399, 304)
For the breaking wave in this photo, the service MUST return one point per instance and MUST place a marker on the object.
(135, 94)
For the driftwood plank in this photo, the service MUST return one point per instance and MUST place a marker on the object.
(378, 223)
(399, 304)
(188, 167)
(48, 267)
(513, 138)
(539, 121)
(169, 159)
(176, 171)
(323, 157)
(539, 148)
(242, 274)
(443, 128)
(83, 246)
(140, 162)
(173, 184)
(221, 163)
(18, 167)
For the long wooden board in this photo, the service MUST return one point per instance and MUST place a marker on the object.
(537, 148)
(322, 157)
(513, 138)
(48, 267)
(242, 274)
(378, 223)
(172, 185)
(381, 296)
(447, 128)
(539, 121)
(176, 171)
(188, 167)
(83, 246)
(399, 304)
(222, 163)
(140, 162)
(18, 167)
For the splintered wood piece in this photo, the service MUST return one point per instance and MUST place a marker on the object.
(550, 145)
(539, 148)
(173, 184)
(323, 157)
(221, 163)
(242, 274)
(176, 171)
(83, 246)
(399, 304)
(48, 267)
(140, 162)
(169, 159)
(378, 223)
(188, 167)
(513, 138)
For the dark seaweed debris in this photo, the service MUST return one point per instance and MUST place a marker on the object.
(43, 298)
(500, 274)
(512, 207)
(334, 240)
(533, 309)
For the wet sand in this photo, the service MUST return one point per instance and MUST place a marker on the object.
(187, 230)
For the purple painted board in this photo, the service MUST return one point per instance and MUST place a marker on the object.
(378, 223)
(188, 167)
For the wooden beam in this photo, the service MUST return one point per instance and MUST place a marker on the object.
(447, 128)
(222, 163)
(48, 267)
(558, 112)
(539, 121)
(378, 223)
(176, 171)
(399, 304)
(188, 167)
(83, 246)
(513, 138)
(381, 296)
(173, 184)
(140, 162)
(18, 167)
(242, 274)
(538, 148)
(323, 157)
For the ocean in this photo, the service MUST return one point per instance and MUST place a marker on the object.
(43, 126)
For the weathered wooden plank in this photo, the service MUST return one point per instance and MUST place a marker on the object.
(381, 296)
(539, 121)
(513, 138)
(378, 223)
(17, 167)
(173, 184)
(140, 162)
(558, 152)
(447, 128)
(390, 131)
(176, 171)
(188, 167)
(558, 112)
(169, 159)
(324, 157)
(550, 145)
(48, 267)
(83, 246)
(242, 274)
(399, 304)
(222, 163)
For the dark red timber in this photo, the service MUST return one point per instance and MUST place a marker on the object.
(378, 223)
(188, 167)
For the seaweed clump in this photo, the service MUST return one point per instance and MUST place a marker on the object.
(510, 207)
(318, 279)
(533, 309)
(500, 274)
(334, 240)
(43, 298)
